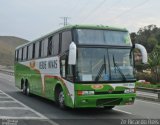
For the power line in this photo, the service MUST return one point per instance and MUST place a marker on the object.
(131, 9)
(92, 11)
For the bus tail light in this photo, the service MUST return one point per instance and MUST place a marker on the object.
(85, 92)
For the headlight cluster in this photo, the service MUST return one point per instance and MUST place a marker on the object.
(85, 92)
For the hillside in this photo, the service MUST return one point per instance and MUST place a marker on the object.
(7, 47)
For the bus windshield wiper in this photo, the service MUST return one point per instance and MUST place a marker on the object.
(103, 67)
(119, 70)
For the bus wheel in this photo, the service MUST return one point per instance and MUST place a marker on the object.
(24, 88)
(61, 99)
(109, 107)
(27, 90)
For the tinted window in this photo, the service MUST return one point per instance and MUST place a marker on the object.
(27, 53)
(55, 45)
(40, 47)
(37, 49)
(20, 55)
(50, 47)
(33, 54)
(44, 48)
(103, 37)
(66, 40)
(30, 49)
(24, 53)
(16, 55)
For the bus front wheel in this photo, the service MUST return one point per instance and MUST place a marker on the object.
(60, 98)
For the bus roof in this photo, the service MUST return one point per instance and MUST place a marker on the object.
(96, 27)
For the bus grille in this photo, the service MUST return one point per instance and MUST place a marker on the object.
(114, 92)
(109, 101)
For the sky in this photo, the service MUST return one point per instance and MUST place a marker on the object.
(30, 19)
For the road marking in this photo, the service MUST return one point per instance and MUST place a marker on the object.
(122, 111)
(25, 107)
(10, 108)
(4, 97)
(22, 118)
(7, 101)
(147, 102)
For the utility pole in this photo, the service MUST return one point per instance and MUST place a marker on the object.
(65, 21)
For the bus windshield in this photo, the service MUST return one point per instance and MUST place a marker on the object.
(102, 64)
(103, 37)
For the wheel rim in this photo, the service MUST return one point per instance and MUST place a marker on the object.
(61, 99)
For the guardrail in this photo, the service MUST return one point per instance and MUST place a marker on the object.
(148, 94)
(8, 72)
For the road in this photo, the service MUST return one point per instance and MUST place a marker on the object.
(33, 110)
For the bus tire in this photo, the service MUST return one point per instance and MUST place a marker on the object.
(27, 88)
(109, 107)
(60, 98)
(24, 88)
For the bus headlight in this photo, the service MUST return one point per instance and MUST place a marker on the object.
(131, 90)
(85, 92)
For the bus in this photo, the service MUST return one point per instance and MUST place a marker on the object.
(80, 66)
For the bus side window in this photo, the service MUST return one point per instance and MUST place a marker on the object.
(33, 51)
(20, 55)
(65, 69)
(16, 56)
(55, 44)
(37, 49)
(69, 73)
(44, 46)
(27, 53)
(40, 48)
(30, 51)
(66, 40)
(24, 52)
(50, 46)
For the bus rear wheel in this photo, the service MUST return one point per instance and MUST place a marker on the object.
(23, 88)
(27, 89)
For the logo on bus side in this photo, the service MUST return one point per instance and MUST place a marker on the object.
(51, 64)
(98, 86)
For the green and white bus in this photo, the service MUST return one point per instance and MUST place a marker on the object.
(79, 66)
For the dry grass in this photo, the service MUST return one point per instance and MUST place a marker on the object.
(7, 48)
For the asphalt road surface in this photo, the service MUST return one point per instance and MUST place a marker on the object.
(18, 109)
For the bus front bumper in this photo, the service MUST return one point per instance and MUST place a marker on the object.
(104, 100)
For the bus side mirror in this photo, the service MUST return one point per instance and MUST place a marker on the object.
(143, 52)
(72, 54)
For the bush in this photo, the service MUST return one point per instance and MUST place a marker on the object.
(147, 77)
(148, 85)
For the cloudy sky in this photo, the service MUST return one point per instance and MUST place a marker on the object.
(30, 19)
